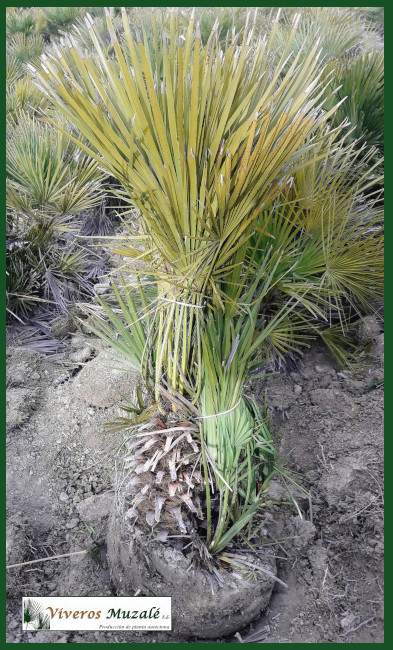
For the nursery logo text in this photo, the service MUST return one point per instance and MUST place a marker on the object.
(96, 613)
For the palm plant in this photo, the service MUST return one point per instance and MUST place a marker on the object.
(338, 28)
(362, 86)
(374, 15)
(327, 229)
(25, 49)
(19, 22)
(23, 97)
(46, 174)
(49, 180)
(13, 70)
(62, 18)
(43, 268)
(81, 33)
(189, 178)
(212, 144)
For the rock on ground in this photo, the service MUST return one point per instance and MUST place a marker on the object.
(100, 383)
(368, 329)
(19, 404)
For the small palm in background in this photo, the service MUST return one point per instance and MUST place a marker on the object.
(362, 84)
(49, 181)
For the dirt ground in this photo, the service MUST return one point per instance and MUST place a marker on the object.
(330, 545)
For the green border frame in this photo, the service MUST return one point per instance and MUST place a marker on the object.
(389, 445)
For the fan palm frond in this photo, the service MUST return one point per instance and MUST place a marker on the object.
(48, 173)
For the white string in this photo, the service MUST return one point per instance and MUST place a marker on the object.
(215, 415)
(185, 304)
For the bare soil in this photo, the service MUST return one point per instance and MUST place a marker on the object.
(330, 548)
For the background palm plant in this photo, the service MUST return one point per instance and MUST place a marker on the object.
(342, 31)
(25, 48)
(23, 97)
(24, 21)
(43, 268)
(61, 18)
(46, 173)
(247, 228)
(49, 181)
(362, 86)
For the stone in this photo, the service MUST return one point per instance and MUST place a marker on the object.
(72, 523)
(103, 286)
(325, 381)
(101, 383)
(64, 325)
(377, 350)
(96, 507)
(19, 403)
(367, 330)
(324, 370)
(81, 355)
(332, 401)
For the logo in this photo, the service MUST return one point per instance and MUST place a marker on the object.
(34, 615)
(106, 613)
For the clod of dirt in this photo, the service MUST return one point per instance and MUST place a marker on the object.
(318, 558)
(94, 512)
(302, 531)
(24, 367)
(30, 369)
(85, 575)
(19, 404)
(96, 507)
(280, 492)
(82, 355)
(329, 400)
(79, 341)
(16, 540)
(367, 330)
(17, 548)
(101, 382)
(62, 326)
(200, 606)
(377, 351)
(27, 374)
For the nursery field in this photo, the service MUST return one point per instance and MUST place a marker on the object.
(194, 294)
